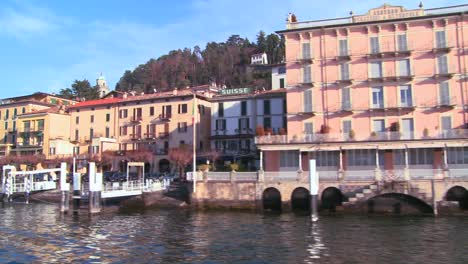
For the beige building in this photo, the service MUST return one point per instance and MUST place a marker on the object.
(10, 108)
(44, 132)
(154, 122)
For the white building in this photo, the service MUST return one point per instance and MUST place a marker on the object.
(259, 59)
(278, 76)
(238, 114)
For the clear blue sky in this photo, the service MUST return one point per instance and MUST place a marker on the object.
(46, 45)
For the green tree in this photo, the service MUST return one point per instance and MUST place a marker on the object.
(81, 90)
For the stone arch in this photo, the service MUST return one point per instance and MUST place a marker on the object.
(164, 165)
(331, 198)
(459, 194)
(300, 199)
(271, 199)
(397, 203)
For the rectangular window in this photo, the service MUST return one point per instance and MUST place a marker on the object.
(123, 131)
(346, 127)
(107, 117)
(77, 135)
(376, 69)
(151, 111)
(281, 83)
(440, 40)
(402, 43)
(344, 71)
(344, 47)
(407, 128)
(220, 109)
(7, 114)
(77, 120)
(442, 64)
(76, 150)
(243, 124)
(406, 97)
(308, 101)
(361, 157)
(421, 156)
(220, 124)
(377, 97)
(306, 51)
(345, 99)
(306, 74)
(91, 133)
(40, 124)
(446, 124)
(123, 113)
(107, 132)
(52, 151)
(457, 155)
(266, 107)
(289, 159)
(404, 67)
(444, 94)
(379, 125)
(327, 158)
(267, 122)
(15, 112)
(92, 119)
(182, 127)
(182, 109)
(374, 45)
(308, 128)
(6, 125)
(243, 108)
(167, 111)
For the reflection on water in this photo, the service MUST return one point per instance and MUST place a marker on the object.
(38, 233)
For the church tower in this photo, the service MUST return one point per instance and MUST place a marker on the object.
(102, 87)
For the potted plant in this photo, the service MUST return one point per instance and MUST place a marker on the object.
(324, 129)
(352, 135)
(425, 132)
(260, 131)
(395, 127)
(373, 134)
(234, 167)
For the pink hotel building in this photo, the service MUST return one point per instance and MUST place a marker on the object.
(382, 94)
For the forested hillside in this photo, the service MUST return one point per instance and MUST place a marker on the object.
(225, 63)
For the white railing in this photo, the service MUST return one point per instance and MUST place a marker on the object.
(422, 173)
(327, 175)
(218, 176)
(374, 136)
(246, 176)
(360, 174)
(280, 176)
(459, 173)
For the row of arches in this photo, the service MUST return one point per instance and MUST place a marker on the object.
(332, 197)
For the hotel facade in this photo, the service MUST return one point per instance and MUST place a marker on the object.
(376, 95)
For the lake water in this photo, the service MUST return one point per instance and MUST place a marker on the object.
(38, 233)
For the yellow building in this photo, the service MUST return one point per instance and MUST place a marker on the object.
(154, 122)
(44, 132)
(10, 108)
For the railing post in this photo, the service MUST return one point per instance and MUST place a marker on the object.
(260, 176)
(76, 191)
(95, 188)
(261, 160)
(65, 188)
(205, 176)
(406, 171)
(232, 176)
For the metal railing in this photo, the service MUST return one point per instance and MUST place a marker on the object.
(373, 136)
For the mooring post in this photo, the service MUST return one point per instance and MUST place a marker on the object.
(95, 187)
(27, 187)
(313, 187)
(76, 192)
(65, 188)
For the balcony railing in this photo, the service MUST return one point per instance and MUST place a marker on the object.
(374, 136)
(136, 119)
(165, 117)
(163, 134)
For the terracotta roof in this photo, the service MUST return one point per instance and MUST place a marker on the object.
(54, 110)
(104, 101)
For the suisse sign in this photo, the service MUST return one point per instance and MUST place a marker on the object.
(388, 12)
(234, 91)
